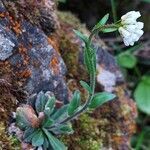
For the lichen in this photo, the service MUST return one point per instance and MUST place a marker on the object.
(86, 134)
(6, 141)
(6, 46)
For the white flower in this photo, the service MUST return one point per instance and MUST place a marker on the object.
(130, 29)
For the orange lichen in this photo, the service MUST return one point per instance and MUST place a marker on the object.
(52, 40)
(25, 74)
(15, 25)
(23, 52)
(54, 65)
(2, 15)
(17, 28)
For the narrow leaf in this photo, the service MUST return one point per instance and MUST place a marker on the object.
(49, 107)
(81, 36)
(107, 30)
(101, 22)
(75, 103)
(47, 122)
(55, 143)
(38, 139)
(28, 134)
(87, 61)
(60, 113)
(66, 129)
(40, 102)
(46, 143)
(101, 98)
(86, 86)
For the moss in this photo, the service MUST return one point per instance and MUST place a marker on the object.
(70, 55)
(8, 142)
(70, 45)
(70, 19)
(86, 134)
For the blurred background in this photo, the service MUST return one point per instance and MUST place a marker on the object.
(133, 61)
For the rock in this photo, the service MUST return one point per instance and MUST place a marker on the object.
(28, 62)
(41, 13)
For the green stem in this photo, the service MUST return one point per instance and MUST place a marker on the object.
(92, 79)
(92, 84)
(113, 7)
(140, 140)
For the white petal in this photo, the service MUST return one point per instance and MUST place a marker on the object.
(129, 21)
(140, 25)
(136, 15)
(132, 14)
(131, 43)
(124, 32)
(125, 42)
(127, 15)
(130, 28)
(135, 37)
(139, 32)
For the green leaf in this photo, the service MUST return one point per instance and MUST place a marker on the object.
(28, 134)
(40, 102)
(81, 36)
(38, 139)
(74, 103)
(107, 30)
(142, 95)
(86, 86)
(126, 60)
(21, 119)
(60, 113)
(101, 22)
(55, 143)
(89, 60)
(101, 98)
(47, 122)
(66, 129)
(46, 144)
(49, 107)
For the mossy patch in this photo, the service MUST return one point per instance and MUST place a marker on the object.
(8, 142)
(86, 135)
(70, 19)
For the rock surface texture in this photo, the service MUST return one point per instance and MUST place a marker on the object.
(27, 59)
(31, 61)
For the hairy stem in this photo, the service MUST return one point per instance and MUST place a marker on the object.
(92, 80)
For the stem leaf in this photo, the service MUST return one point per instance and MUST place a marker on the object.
(111, 29)
(81, 36)
(86, 86)
(101, 98)
(75, 103)
(101, 22)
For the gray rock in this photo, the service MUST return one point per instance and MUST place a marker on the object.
(35, 64)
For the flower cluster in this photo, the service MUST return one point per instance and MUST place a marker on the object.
(130, 29)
